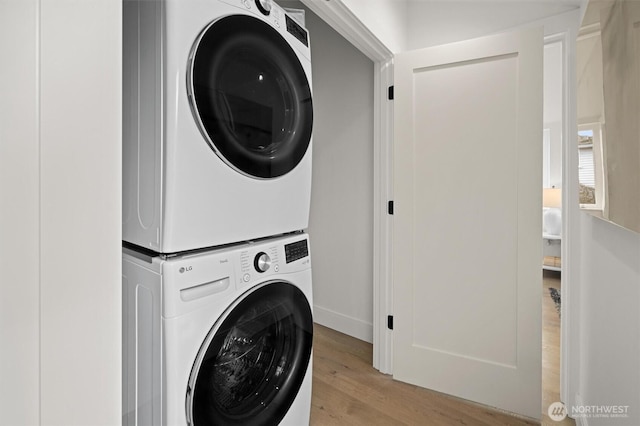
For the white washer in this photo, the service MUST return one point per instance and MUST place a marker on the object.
(217, 122)
(221, 337)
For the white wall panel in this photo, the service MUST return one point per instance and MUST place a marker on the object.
(19, 214)
(81, 212)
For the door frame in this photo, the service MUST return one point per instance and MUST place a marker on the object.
(559, 28)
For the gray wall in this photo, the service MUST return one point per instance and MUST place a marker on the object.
(341, 219)
(609, 280)
(609, 318)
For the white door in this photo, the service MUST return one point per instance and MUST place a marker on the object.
(467, 224)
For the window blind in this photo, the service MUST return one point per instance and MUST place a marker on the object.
(586, 167)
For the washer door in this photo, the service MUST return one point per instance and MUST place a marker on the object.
(250, 96)
(253, 361)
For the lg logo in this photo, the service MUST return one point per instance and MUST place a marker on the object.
(183, 269)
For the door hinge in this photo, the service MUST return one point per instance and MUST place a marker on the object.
(390, 322)
(390, 207)
(390, 94)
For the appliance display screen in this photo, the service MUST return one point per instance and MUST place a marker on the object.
(295, 251)
(298, 32)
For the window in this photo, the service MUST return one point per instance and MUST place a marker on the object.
(590, 166)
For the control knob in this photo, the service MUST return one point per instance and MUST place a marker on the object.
(262, 262)
(264, 6)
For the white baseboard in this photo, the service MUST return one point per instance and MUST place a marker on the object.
(345, 324)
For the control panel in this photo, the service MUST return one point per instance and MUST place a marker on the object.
(275, 15)
(262, 260)
(255, 262)
(295, 251)
(264, 6)
(297, 31)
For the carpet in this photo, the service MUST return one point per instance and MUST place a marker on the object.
(555, 296)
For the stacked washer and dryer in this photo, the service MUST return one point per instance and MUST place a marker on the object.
(217, 298)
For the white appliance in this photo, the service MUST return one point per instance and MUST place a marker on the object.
(220, 337)
(217, 121)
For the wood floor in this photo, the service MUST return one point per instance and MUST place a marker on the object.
(347, 390)
(551, 350)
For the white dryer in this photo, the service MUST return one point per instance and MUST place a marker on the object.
(217, 123)
(219, 338)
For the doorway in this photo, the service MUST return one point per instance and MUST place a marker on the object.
(355, 32)
(551, 219)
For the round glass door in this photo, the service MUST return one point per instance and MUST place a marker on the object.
(251, 97)
(251, 366)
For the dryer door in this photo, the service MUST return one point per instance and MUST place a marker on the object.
(252, 364)
(250, 96)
